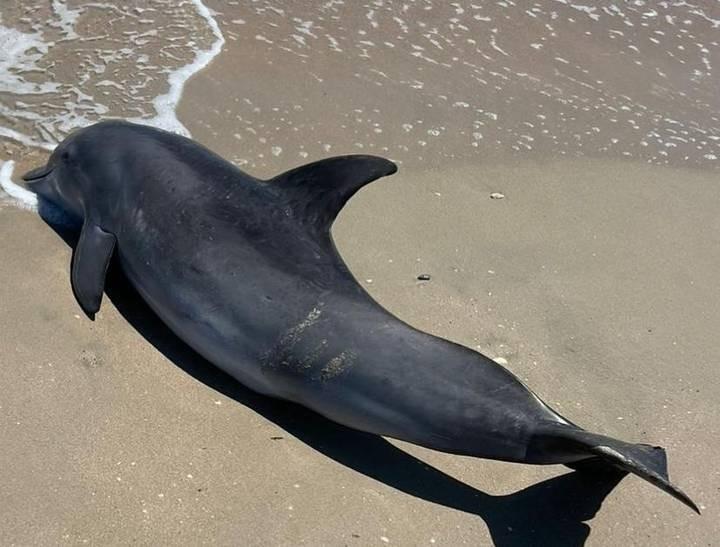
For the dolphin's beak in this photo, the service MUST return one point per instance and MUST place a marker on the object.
(38, 173)
(38, 181)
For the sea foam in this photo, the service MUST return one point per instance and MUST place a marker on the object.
(166, 104)
(20, 197)
(111, 80)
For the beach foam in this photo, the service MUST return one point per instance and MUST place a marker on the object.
(16, 194)
(64, 73)
(166, 104)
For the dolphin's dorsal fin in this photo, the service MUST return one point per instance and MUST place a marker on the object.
(90, 262)
(317, 191)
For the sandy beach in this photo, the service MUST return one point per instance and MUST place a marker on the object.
(593, 279)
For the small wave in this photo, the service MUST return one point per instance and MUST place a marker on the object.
(166, 105)
(20, 197)
(56, 77)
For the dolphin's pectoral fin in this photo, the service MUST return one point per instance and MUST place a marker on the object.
(90, 262)
(317, 191)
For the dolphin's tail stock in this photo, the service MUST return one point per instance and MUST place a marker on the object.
(645, 461)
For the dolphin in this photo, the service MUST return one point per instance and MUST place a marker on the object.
(246, 272)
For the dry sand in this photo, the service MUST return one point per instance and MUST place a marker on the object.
(595, 279)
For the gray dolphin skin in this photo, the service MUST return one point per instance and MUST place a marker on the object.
(245, 271)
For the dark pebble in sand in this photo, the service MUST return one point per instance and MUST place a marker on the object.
(424, 277)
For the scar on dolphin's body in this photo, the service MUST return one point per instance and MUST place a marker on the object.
(338, 365)
(281, 354)
(245, 271)
(284, 354)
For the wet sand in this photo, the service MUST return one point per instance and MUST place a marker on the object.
(594, 278)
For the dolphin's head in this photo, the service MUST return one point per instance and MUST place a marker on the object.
(63, 180)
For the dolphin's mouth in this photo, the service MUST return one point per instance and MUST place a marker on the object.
(50, 206)
(36, 174)
(39, 182)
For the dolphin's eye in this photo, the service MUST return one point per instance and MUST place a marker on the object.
(68, 154)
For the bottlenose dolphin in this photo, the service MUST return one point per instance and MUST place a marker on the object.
(246, 272)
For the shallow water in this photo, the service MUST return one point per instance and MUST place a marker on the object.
(447, 82)
(65, 65)
(425, 83)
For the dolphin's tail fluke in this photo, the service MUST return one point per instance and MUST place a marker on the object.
(645, 461)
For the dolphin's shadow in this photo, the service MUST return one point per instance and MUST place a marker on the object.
(553, 512)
